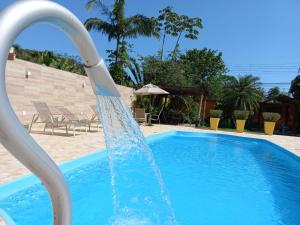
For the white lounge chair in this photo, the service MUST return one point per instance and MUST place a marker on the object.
(45, 116)
(94, 118)
(73, 119)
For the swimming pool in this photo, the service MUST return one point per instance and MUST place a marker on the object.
(211, 179)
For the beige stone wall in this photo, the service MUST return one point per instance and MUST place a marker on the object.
(55, 87)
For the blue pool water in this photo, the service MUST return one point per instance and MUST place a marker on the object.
(211, 180)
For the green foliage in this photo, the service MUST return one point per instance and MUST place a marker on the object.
(202, 64)
(271, 117)
(166, 21)
(118, 69)
(273, 92)
(205, 68)
(170, 23)
(136, 73)
(216, 86)
(187, 27)
(163, 73)
(118, 27)
(243, 93)
(295, 87)
(241, 114)
(181, 109)
(51, 59)
(177, 109)
(142, 102)
(215, 113)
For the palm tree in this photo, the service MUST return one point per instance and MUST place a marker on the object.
(243, 93)
(118, 27)
(135, 70)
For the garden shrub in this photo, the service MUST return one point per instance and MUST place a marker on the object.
(180, 109)
(241, 114)
(215, 113)
(271, 117)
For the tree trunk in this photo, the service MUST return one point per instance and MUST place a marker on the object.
(162, 47)
(117, 50)
(200, 109)
(176, 45)
(204, 111)
(297, 116)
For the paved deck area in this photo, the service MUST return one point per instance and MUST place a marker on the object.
(62, 148)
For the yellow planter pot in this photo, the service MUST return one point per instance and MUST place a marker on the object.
(269, 127)
(240, 126)
(214, 123)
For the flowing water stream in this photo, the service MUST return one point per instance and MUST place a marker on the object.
(139, 195)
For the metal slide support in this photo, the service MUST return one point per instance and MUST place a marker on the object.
(13, 20)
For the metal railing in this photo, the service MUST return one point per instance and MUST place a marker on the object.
(13, 20)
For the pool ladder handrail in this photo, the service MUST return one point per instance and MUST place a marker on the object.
(14, 137)
(6, 218)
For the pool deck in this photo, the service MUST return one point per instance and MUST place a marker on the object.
(62, 148)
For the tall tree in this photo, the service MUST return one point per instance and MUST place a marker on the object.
(178, 26)
(243, 93)
(166, 25)
(295, 87)
(164, 73)
(295, 91)
(204, 67)
(118, 27)
(187, 27)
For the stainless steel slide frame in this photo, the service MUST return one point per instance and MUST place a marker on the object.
(13, 20)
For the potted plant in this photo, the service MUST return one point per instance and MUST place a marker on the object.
(215, 115)
(240, 117)
(270, 120)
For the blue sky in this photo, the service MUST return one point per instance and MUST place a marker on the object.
(258, 36)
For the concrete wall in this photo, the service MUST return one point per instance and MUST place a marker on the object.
(55, 87)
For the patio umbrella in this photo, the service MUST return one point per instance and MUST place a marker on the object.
(150, 89)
